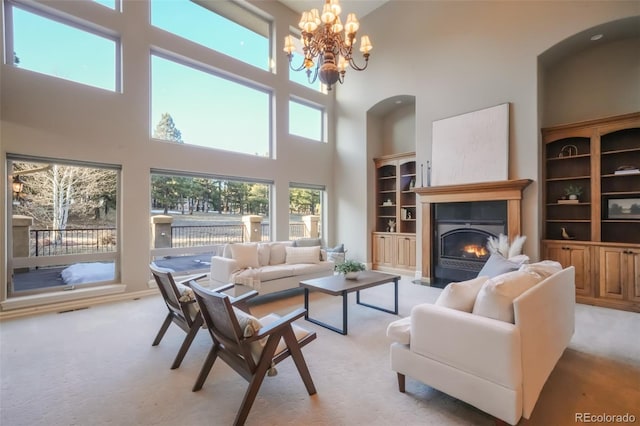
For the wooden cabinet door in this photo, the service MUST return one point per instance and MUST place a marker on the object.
(634, 275)
(405, 252)
(613, 272)
(576, 255)
(382, 250)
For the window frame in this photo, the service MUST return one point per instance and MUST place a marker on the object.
(198, 66)
(63, 19)
(312, 105)
(63, 259)
(180, 251)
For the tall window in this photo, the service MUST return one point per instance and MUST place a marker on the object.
(62, 49)
(305, 211)
(220, 25)
(67, 233)
(306, 120)
(194, 216)
(208, 110)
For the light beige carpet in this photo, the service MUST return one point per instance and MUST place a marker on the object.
(97, 367)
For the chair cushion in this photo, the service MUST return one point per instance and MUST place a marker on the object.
(400, 331)
(295, 255)
(462, 295)
(495, 299)
(246, 255)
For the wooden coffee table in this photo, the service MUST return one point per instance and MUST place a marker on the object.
(338, 285)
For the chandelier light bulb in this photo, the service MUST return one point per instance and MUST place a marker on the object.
(303, 20)
(365, 44)
(352, 24)
(289, 45)
(342, 64)
(337, 26)
(315, 15)
(327, 14)
(335, 6)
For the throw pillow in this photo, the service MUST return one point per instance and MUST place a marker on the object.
(336, 257)
(264, 253)
(278, 254)
(496, 265)
(334, 254)
(495, 299)
(543, 269)
(248, 323)
(246, 255)
(307, 242)
(296, 255)
(461, 296)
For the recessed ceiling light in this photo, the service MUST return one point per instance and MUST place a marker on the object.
(596, 37)
(398, 102)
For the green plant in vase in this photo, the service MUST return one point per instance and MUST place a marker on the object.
(350, 269)
(573, 192)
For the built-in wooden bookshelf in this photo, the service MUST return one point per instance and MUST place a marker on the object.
(394, 240)
(599, 233)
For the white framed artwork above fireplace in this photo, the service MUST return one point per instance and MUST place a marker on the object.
(471, 147)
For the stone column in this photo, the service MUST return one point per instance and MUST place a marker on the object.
(252, 228)
(161, 231)
(21, 227)
(311, 226)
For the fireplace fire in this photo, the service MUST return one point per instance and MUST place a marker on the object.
(475, 250)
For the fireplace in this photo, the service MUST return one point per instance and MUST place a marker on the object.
(466, 212)
(460, 243)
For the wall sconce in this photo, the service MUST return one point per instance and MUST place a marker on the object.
(17, 186)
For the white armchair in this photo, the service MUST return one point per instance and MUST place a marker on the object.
(496, 366)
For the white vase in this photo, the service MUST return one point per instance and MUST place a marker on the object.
(573, 197)
(352, 275)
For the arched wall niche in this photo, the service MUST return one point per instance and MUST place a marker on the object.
(592, 74)
(391, 126)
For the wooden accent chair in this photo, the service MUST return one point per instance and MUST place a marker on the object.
(183, 309)
(250, 346)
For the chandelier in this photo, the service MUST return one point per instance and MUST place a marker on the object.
(327, 50)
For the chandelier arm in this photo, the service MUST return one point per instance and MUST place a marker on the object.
(355, 66)
(315, 74)
(300, 68)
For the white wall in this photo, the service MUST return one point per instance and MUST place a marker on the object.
(49, 117)
(455, 57)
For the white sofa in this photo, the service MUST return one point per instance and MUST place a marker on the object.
(268, 267)
(497, 366)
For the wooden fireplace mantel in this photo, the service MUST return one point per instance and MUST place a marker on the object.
(508, 190)
(482, 191)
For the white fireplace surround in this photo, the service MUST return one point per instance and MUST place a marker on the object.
(508, 190)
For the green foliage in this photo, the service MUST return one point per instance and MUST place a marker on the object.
(304, 201)
(350, 266)
(573, 190)
(166, 129)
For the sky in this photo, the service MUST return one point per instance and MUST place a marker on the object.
(207, 109)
